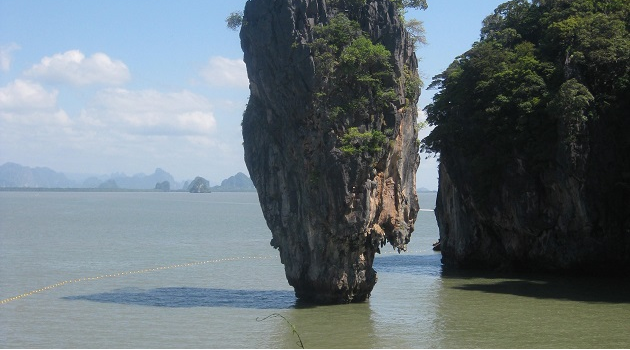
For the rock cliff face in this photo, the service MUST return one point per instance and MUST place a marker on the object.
(334, 187)
(562, 221)
(537, 176)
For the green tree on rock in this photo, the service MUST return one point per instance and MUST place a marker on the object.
(540, 73)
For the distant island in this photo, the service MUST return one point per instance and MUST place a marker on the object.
(199, 185)
(237, 183)
(15, 177)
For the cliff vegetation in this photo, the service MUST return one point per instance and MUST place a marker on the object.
(532, 129)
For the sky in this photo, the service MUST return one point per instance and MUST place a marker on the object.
(98, 87)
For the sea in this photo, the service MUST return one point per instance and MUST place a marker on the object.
(182, 270)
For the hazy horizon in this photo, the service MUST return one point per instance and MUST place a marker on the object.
(82, 176)
(97, 87)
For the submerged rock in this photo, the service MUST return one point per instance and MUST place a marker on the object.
(333, 161)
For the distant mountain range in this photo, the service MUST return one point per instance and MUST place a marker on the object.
(14, 175)
(138, 181)
(237, 183)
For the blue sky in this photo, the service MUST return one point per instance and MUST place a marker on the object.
(98, 87)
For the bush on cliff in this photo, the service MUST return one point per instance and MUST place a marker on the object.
(353, 71)
(542, 72)
(370, 142)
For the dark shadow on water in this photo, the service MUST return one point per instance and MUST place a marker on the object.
(187, 297)
(587, 288)
(591, 289)
(421, 265)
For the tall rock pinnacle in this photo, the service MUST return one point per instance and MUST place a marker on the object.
(330, 137)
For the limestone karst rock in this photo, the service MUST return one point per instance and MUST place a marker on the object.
(199, 185)
(333, 157)
(237, 183)
(535, 162)
(163, 186)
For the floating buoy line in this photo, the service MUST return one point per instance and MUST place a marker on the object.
(127, 273)
(154, 269)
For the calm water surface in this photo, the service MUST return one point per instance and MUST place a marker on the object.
(180, 270)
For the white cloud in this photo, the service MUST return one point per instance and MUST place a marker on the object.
(42, 120)
(5, 56)
(119, 129)
(197, 121)
(225, 72)
(74, 68)
(150, 112)
(29, 113)
(25, 95)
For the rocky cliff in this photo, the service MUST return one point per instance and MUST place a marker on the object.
(535, 155)
(330, 137)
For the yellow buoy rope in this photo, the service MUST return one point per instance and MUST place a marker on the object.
(154, 269)
(135, 272)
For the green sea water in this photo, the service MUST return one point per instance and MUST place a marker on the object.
(181, 270)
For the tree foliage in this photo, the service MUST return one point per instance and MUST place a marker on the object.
(415, 28)
(540, 67)
(353, 72)
(370, 142)
(417, 4)
(357, 85)
(235, 20)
